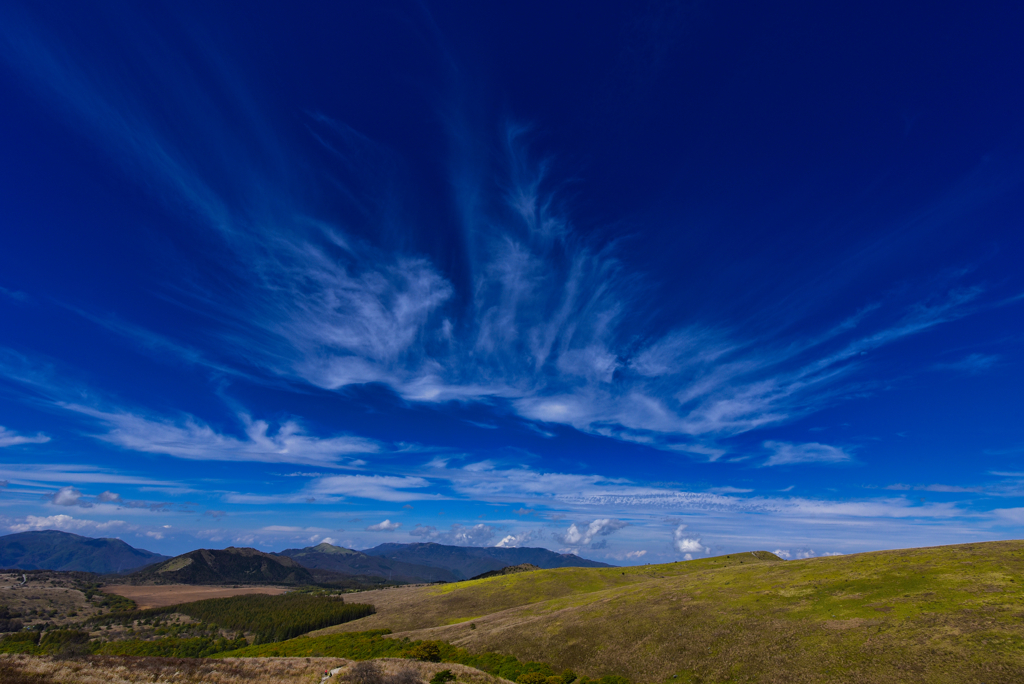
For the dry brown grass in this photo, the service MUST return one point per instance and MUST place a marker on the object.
(162, 595)
(52, 592)
(21, 669)
(463, 673)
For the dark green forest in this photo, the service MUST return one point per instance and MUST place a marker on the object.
(268, 618)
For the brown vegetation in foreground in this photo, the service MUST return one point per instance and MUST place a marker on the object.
(160, 595)
(21, 669)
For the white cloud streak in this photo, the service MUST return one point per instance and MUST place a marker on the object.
(192, 439)
(66, 523)
(378, 487)
(813, 452)
(12, 438)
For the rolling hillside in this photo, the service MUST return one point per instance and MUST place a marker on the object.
(469, 561)
(54, 550)
(944, 614)
(228, 566)
(325, 556)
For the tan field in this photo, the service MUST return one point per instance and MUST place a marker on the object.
(162, 595)
(21, 669)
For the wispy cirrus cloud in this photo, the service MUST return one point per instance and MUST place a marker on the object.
(12, 438)
(972, 363)
(34, 474)
(377, 487)
(537, 315)
(790, 454)
(192, 439)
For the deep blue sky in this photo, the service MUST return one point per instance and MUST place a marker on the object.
(636, 281)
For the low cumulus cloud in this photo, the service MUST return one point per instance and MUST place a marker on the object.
(66, 523)
(12, 438)
(812, 452)
(68, 496)
(457, 535)
(578, 535)
(687, 543)
(385, 526)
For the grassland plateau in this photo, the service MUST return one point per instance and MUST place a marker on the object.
(945, 614)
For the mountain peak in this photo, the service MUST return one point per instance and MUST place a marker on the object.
(324, 547)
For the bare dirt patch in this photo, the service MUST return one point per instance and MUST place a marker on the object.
(162, 595)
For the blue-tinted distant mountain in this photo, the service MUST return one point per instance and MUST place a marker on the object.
(470, 561)
(54, 550)
(325, 556)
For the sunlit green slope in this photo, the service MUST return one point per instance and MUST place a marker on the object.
(944, 614)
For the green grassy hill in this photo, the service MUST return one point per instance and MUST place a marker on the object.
(944, 614)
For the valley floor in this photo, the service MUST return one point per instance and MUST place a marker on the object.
(160, 595)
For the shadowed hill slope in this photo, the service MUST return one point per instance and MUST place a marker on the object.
(470, 561)
(325, 556)
(228, 566)
(944, 614)
(510, 570)
(55, 550)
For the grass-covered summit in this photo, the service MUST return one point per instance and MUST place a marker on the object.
(944, 614)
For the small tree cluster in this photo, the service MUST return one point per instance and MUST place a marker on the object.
(371, 672)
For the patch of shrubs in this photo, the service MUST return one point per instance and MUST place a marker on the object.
(370, 672)
(442, 677)
(196, 647)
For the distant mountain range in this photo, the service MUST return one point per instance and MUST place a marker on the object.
(469, 561)
(54, 550)
(323, 563)
(325, 556)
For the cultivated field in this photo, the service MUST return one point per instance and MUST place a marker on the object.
(15, 669)
(947, 614)
(162, 595)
